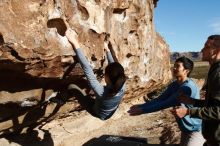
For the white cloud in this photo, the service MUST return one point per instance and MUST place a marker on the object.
(215, 25)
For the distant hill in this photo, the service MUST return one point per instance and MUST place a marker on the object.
(195, 56)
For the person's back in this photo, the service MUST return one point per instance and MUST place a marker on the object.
(105, 106)
(109, 97)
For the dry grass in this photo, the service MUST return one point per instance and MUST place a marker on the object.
(200, 70)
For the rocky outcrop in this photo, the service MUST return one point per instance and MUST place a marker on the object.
(37, 62)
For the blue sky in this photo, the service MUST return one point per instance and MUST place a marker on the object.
(186, 24)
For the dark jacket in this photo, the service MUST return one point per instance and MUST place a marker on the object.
(209, 110)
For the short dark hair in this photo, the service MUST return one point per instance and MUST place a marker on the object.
(187, 63)
(216, 40)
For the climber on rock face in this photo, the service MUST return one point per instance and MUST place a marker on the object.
(182, 85)
(108, 97)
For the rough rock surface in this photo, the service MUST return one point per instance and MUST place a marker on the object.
(33, 41)
(36, 60)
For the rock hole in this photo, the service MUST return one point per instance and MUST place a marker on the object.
(59, 24)
(118, 11)
(92, 31)
(132, 31)
(1, 39)
(93, 58)
(83, 12)
(129, 55)
(102, 62)
(42, 2)
(97, 2)
(15, 54)
(125, 41)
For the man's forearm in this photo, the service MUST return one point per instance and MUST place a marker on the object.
(206, 113)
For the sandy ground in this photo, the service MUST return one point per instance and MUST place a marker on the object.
(76, 128)
(79, 127)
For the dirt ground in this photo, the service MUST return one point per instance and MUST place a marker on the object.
(76, 128)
